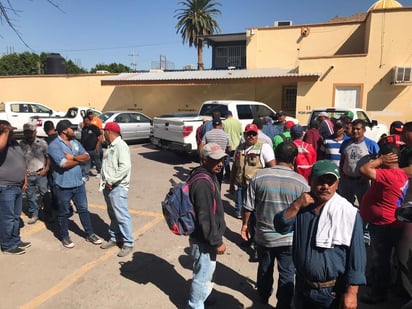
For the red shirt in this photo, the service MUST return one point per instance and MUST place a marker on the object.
(305, 159)
(384, 196)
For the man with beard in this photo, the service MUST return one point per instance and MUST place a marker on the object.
(67, 155)
(13, 179)
(328, 248)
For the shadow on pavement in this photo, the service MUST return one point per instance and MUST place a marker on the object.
(167, 157)
(227, 277)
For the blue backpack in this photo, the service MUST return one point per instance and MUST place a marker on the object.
(177, 208)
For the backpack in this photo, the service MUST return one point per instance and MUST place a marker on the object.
(177, 208)
(285, 138)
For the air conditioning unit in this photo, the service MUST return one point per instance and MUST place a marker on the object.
(402, 75)
(283, 23)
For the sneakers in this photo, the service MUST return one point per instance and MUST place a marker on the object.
(94, 239)
(23, 245)
(15, 251)
(67, 242)
(125, 250)
(33, 220)
(108, 244)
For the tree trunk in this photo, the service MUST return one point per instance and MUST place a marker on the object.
(200, 66)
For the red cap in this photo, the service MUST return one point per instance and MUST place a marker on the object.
(112, 126)
(251, 127)
(289, 124)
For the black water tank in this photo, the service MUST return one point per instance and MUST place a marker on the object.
(55, 64)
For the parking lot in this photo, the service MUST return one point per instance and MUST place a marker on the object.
(156, 274)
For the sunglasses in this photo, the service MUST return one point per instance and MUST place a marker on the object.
(251, 133)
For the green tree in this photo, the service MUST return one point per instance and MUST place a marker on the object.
(197, 18)
(112, 68)
(19, 64)
(72, 68)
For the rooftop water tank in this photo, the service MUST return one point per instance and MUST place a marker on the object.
(55, 64)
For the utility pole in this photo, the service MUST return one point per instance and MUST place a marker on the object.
(134, 63)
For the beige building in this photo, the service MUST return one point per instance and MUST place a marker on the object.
(360, 61)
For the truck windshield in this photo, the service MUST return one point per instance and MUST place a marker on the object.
(210, 109)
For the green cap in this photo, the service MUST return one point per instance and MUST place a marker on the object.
(324, 167)
(349, 115)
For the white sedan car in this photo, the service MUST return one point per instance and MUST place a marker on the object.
(133, 125)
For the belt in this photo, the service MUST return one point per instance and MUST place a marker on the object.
(319, 285)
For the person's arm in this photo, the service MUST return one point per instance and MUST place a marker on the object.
(4, 136)
(244, 232)
(46, 168)
(350, 297)
(233, 176)
(301, 202)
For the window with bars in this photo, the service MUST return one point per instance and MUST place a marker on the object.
(289, 98)
(230, 56)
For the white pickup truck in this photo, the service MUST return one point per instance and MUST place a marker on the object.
(19, 112)
(74, 114)
(374, 130)
(179, 133)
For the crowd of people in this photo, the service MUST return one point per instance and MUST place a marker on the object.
(312, 202)
(55, 169)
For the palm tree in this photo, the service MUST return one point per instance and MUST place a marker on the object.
(195, 19)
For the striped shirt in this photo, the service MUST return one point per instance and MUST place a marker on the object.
(331, 147)
(217, 136)
(272, 190)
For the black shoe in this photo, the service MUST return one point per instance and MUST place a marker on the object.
(254, 257)
(67, 242)
(15, 251)
(23, 244)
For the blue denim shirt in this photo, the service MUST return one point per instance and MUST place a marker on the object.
(65, 177)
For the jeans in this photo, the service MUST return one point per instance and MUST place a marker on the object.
(79, 197)
(120, 222)
(204, 265)
(94, 159)
(383, 239)
(308, 298)
(286, 269)
(10, 210)
(37, 183)
(239, 199)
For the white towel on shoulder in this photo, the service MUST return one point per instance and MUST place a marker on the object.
(336, 223)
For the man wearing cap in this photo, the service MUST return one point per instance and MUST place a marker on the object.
(325, 125)
(306, 154)
(67, 155)
(249, 157)
(285, 136)
(266, 202)
(115, 182)
(13, 180)
(233, 127)
(217, 136)
(207, 239)
(280, 121)
(328, 246)
(94, 120)
(38, 165)
(395, 136)
(347, 119)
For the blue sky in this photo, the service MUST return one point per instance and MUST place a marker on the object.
(91, 32)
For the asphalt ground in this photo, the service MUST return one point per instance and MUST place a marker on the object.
(155, 275)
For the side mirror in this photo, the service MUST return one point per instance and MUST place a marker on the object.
(404, 213)
(374, 123)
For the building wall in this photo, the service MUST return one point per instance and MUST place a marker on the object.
(62, 92)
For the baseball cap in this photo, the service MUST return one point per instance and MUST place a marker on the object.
(63, 125)
(281, 113)
(89, 112)
(296, 130)
(323, 114)
(338, 125)
(112, 126)
(397, 126)
(324, 167)
(349, 114)
(251, 127)
(29, 127)
(289, 124)
(214, 151)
